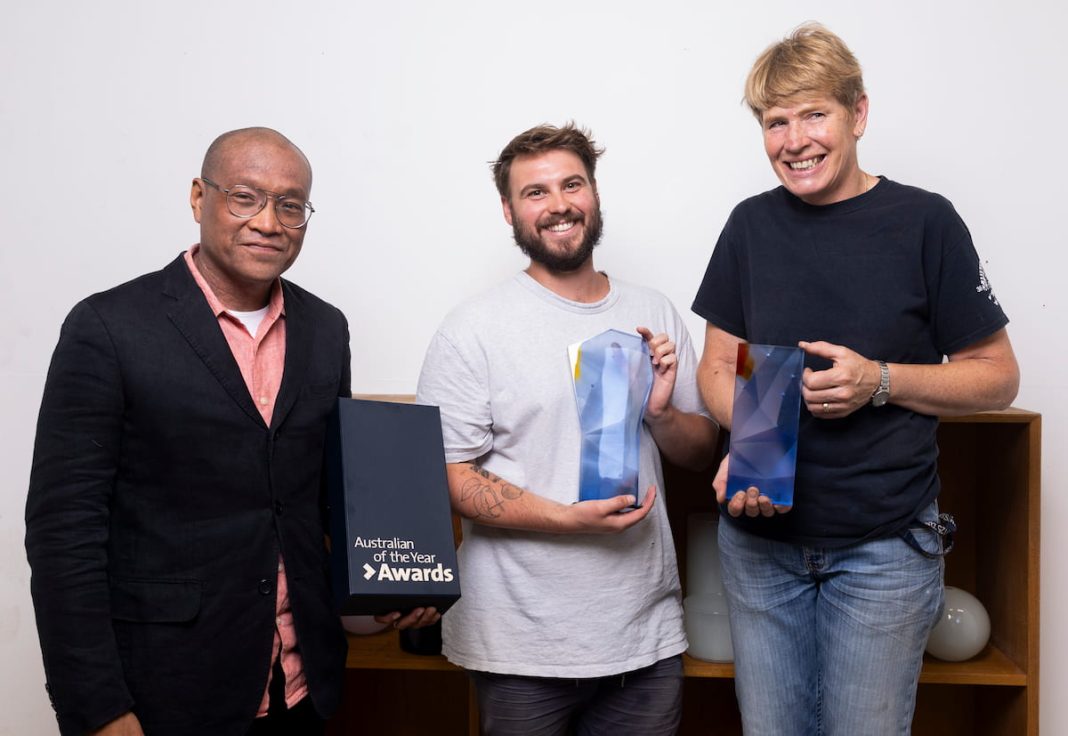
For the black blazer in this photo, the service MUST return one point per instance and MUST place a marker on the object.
(159, 502)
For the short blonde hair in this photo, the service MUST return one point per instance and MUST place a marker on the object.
(811, 60)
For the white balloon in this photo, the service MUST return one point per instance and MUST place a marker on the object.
(703, 573)
(708, 628)
(963, 630)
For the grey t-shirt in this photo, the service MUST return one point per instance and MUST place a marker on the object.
(538, 604)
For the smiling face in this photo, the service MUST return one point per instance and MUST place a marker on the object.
(812, 145)
(241, 258)
(553, 209)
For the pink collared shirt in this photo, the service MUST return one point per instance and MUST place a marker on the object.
(261, 360)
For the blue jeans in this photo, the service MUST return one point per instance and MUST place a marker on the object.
(830, 641)
(645, 702)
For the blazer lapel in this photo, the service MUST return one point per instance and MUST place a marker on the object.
(193, 318)
(299, 341)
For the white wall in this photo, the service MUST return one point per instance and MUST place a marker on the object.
(108, 107)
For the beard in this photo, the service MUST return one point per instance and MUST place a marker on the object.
(535, 248)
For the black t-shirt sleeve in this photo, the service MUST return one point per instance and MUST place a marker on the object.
(964, 308)
(719, 299)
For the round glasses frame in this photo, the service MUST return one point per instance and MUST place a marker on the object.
(261, 197)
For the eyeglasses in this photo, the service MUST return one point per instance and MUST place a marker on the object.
(244, 201)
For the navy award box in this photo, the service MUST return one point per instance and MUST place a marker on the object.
(391, 539)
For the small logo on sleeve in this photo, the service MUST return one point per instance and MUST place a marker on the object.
(984, 285)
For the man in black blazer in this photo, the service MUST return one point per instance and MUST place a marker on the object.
(175, 496)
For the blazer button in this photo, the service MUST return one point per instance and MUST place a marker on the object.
(265, 587)
(278, 508)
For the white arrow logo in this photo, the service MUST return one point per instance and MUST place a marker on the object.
(368, 571)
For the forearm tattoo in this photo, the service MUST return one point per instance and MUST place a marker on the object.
(487, 493)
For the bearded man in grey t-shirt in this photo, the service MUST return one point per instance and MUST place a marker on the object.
(571, 616)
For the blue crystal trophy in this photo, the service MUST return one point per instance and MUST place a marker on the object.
(767, 405)
(613, 376)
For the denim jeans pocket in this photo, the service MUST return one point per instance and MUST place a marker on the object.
(931, 533)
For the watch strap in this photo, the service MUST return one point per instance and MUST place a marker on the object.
(882, 392)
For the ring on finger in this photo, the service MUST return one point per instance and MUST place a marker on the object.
(824, 407)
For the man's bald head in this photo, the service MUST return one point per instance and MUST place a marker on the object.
(224, 146)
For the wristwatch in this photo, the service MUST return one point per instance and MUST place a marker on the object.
(882, 394)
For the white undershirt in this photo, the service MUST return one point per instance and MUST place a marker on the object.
(251, 320)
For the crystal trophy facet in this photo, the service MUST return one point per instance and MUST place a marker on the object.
(767, 404)
(612, 376)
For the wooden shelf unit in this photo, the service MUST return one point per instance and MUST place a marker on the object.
(990, 469)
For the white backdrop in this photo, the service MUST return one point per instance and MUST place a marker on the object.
(108, 107)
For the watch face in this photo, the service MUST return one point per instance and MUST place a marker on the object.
(880, 398)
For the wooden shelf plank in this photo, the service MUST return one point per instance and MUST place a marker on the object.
(693, 667)
(989, 667)
(1012, 415)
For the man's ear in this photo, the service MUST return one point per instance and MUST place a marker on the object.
(507, 207)
(196, 198)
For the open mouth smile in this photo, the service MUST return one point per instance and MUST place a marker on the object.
(808, 163)
(561, 227)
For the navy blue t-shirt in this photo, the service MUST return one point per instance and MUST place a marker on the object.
(891, 274)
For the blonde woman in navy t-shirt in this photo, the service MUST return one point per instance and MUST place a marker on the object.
(832, 599)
